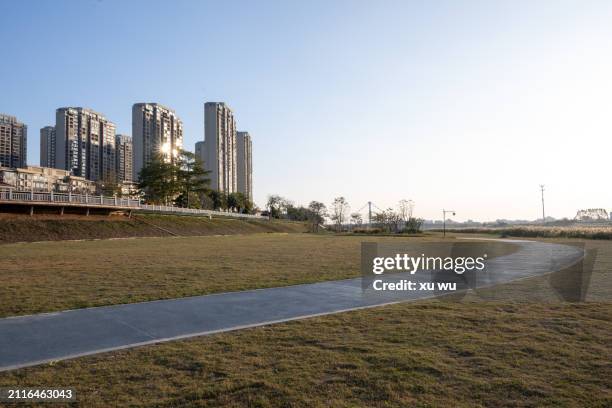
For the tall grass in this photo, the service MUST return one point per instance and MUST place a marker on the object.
(584, 232)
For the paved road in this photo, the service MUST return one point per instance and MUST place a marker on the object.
(36, 339)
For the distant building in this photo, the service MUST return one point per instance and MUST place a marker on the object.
(47, 146)
(129, 189)
(124, 158)
(85, 143)
(199, 150)
(156, 129)
(45, 179)
(13, 142)
(218, 151)
(244, 164)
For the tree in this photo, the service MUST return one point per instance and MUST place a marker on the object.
(247, 206)
(182, 180)
(218, 200)
(234, 202)
(413, 225)
(340, 208)
(316, 216)
(275, 205)
(192, 179)
(394, 222)
(158, 181)
(405, 208)
(109, 186)
(356, 219)
(298, 213)
(205, 201)
(388, 220)
(242, 203)
(189, 199)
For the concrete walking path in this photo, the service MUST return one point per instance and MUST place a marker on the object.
(36, 339)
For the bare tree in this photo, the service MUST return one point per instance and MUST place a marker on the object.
(356, 219)
(388, 220)
(405, 208)
(340, 208)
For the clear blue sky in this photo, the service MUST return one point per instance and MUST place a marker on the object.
(462, 104)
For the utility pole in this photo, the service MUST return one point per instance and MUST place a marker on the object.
(369, 214)
(543, 213)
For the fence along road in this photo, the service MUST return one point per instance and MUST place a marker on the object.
(32, 199)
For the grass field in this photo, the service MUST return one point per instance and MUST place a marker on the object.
(48, 276)
(494, 352)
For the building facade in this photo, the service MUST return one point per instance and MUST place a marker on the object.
(124, 158)
(85, 143)
(244, 155)
(200, 150)
(47, 147)
(156, 130)
(45, 179)
(13, 142)
(218, 151)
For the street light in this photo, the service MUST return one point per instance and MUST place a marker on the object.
(444, 218)
(543, 213)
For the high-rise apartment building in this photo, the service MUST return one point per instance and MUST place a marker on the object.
(219, 148)
(85, 143)
(200, 151)
(156, 129)
(124, 158)
(47, 147)
(13, 142)
(244, 165)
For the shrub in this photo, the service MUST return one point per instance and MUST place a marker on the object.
(413, 225)
(367, 231)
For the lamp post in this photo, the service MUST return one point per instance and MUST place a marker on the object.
(444, 218)
(543, 213)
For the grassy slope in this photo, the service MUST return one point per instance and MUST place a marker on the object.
(475, 353)
(52, 228)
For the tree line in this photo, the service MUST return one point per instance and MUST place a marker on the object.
(184, 182)
(340, 217)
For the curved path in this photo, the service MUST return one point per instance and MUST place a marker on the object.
(36, 339)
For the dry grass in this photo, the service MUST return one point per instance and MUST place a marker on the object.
(475, 353)
(431, 354)
(49, 276)
(46, 227)
(578, 232)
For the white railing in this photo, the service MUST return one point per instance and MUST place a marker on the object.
(120, 202)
